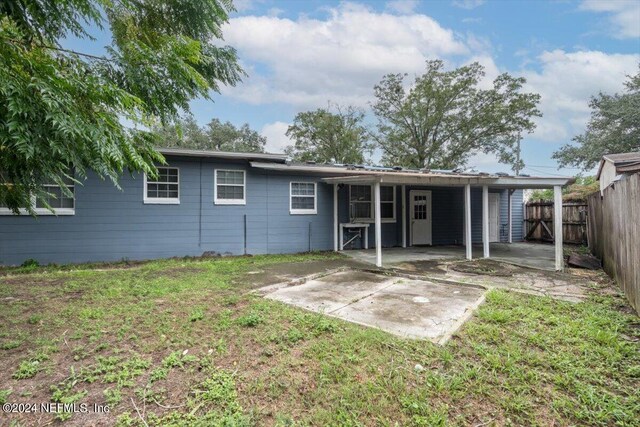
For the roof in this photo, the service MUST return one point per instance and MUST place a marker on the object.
(354, 174)
(624, 162)
(223, 154)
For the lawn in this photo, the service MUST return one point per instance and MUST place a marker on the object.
(182, 342)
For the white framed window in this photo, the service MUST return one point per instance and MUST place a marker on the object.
(302, 198)
(165, 188)
(229, 187)
(361, 203)
(58, 200)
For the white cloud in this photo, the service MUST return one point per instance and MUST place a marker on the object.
(275, 132)
(567, 81)
(305, 62)
(467, 4)
(402, 6)
(624, 15)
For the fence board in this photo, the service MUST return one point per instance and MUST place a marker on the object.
(613, 224)
(539, 221)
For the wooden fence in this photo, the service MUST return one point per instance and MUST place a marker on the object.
(614, 234)
(538, 222)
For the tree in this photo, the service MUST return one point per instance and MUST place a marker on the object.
(443, 118)
(326, 137)
(215, 136)
(63, 113)
(614, 127)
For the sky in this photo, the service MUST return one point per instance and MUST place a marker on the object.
(301, 54)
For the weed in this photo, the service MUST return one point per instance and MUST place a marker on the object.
(250, 320)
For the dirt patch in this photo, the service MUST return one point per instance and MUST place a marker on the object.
(286, 272)
(173, 272)
(485, 266)
(424, 267)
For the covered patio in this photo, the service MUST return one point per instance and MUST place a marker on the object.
(416, 187)
(533, 255)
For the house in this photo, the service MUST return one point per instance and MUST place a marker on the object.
(614, 166)
(255, 203)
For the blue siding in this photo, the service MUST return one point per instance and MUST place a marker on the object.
(111, 224)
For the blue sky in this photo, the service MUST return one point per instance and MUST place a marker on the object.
(301, 54)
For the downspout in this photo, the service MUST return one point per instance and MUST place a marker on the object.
(200, 210)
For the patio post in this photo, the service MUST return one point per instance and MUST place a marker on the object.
(335, 217)
(404, 216)
(485, 221)
(557, 226)
(467, 221)
(510, 215)
(378, 224)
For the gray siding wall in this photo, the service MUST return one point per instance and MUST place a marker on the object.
(111, 224)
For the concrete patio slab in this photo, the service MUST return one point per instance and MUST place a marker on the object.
(533, 255)
(405, 307)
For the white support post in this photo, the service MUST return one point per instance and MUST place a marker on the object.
(404, 216)
(510, 215)
(485, 221)
(335, 218)
(378, 224)
(467, 221)
(557, 226)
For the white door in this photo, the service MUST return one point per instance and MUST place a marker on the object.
(420, 208)
(494, 217)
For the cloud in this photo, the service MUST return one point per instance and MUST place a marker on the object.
(277, 141)
(402, 6)
(475, 20)
(307, 61)
(467, 4)
(566, 82)
(624, 16)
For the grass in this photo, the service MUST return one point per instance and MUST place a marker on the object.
(181, 342)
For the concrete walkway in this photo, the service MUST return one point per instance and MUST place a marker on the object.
(534, 255)
(405, 307)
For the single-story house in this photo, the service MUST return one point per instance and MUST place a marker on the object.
(256, 203)
(614, 166)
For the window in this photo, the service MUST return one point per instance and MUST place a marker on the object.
(58, 200)
(164, 189)
(302, 198)
(229, 187)
(361, 202)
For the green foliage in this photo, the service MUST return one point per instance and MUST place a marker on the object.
(326, 137)
(30, 263)
(62, 113)
(577, 191)
(444, 117)
(250, 320)
(216, 136)
(614, 127)
(3, 396)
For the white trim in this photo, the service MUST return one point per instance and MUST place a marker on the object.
(557, 227)
(510, 215)
(371, 202)
(429, 212)
(40, 211)
(485, 221)
(467, 222)
(404, 216)
(335, 218)
(378, 223)
(161, 200)
(242, 201)
(313, 211)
